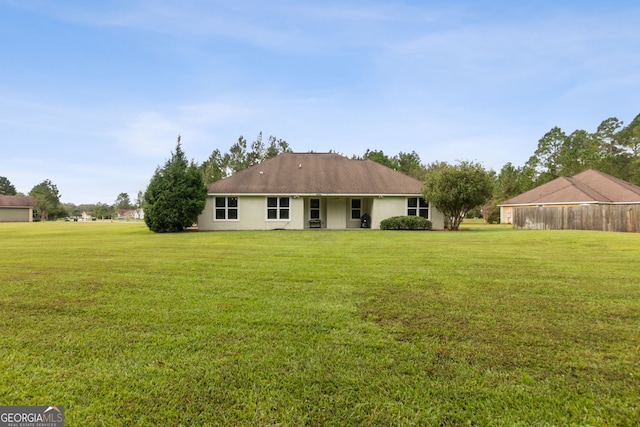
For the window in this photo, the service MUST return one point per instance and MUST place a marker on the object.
(277, 208)
(314, 209)
(356, 206)
(226, 208)
(417, 206)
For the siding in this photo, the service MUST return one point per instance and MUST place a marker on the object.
(16, 214)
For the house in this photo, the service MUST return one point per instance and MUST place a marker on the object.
(313, 190)
(16, 208)
(126, 214)
(588, 200)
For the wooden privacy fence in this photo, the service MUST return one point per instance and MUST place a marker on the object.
(584, 217)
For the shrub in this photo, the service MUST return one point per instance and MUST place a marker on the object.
(405, 223)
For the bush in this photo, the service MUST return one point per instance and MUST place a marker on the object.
(405, 223)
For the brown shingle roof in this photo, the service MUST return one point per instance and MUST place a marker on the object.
(317, 173)
(590, 186)
(16, 201)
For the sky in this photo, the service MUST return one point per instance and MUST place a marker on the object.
(93, 95)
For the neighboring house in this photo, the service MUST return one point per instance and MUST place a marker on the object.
(126, 214)
(588, 200)
(16, 208)
(313, 190)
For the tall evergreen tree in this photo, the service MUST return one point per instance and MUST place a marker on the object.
(176, 195)
(6, 188)
(545, 160)
(123, 201)
(610, 147)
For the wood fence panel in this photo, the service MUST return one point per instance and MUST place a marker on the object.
(586, 217)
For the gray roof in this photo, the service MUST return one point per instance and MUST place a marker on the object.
(590, 186)
(16, 201)
(317, 173)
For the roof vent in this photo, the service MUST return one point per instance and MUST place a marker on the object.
(300, 166)
(261, 173)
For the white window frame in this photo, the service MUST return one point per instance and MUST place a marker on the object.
(352, 209)
(315, 209)
(418, 207)
(279, 208)
(226, 208)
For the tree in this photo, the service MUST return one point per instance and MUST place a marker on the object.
(510, 182)
(456, 189)
(123, 202)
(410, 164)
(276, 147)
(139, 199)
(6, 188)
(176, 195)
(47, 200)
(606, 134)
(629, 139)
(578, 153)
(102, 210)
(214, 168)
(239, 157)
(378, 156)
(546, 158)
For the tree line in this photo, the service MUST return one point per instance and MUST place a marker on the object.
(612, 148)
(48, 206)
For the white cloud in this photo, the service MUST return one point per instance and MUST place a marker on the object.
(148, 133)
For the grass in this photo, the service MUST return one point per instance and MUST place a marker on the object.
(489, 326)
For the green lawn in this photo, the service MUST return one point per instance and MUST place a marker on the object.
(486, 326)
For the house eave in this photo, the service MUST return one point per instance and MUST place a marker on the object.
(379, 195)
(590, 202)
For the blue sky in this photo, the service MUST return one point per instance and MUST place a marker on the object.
(94, 94)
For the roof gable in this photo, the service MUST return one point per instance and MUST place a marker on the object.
(590, 186)
(317, 173)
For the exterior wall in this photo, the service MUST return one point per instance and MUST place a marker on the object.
(386, 207)
(506, 214)
(437, 219)
(252, 213)
(16, 214)
(335, 213)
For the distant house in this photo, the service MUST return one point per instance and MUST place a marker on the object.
(125, 214)
(128, 214)
(589, 200)
(313, 190)
(138, 213)
(16, 208)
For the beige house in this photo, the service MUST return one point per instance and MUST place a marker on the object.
(16, 208)
(298, 191)
(590, 188)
